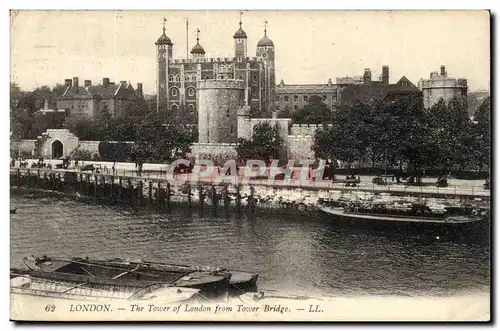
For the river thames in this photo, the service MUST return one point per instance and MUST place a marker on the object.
(295, 253)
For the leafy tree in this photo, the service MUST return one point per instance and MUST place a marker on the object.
(266, 143)
(314, 112)
(481, 132)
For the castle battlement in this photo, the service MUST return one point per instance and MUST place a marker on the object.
(443, 82)
(307, 129)
(216, 60)
(221, 84)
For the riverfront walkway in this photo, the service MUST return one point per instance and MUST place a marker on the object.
(461, 188)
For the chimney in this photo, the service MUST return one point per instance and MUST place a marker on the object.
(385, 75)
(139, 90)
(75, 81)
(105, 81)
(67, 82)
(443, 71)
(46, 104)
(367, 77)
(329, 82)
(88, 83)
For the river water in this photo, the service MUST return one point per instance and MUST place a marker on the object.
(293, 253)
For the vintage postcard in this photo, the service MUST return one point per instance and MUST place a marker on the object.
(250, 165)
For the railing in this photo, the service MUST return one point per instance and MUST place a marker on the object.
(293, 184)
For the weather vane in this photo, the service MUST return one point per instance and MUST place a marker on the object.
(164, 22)
(241, 14)
(265, 26)
(197, 35)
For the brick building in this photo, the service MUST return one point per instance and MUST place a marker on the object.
(369, 91)
(92, 100)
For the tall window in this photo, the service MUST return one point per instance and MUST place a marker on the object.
(295, 98)
(171, 78)
(191, 108)
(286, 98)
(191, 92)
(305, 97)
(227, 112)
(174, 92)
(277, 98)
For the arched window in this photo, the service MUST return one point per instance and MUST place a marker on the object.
(191, 91)
(193, 77)
(191, 108)
(177, 78)
(174, 107)
(187, 78)
(174, 91)
(227, 112)
(171, 78)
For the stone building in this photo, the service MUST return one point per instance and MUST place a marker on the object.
(440, 86)
(295, 97)
(92, 100)
(177, 79)
(366, 90)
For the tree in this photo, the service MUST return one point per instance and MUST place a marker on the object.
(481, 132)
(314, 112)
(266, 143)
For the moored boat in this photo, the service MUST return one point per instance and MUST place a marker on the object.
(59, 289)
(127, 274)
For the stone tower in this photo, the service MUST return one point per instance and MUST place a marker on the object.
(440, 86)
(266, 51)
(240, 42)
(164, 48)
(218, 104)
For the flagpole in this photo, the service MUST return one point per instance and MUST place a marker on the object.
(187, 39)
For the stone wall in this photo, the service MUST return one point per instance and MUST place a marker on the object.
(220, 152)
(300, 147)
(91, 146)
(24, 146)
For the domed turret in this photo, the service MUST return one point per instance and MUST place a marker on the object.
(240, 42)
(265, 41)
(198, 51)
(163, 39)
(240, 33)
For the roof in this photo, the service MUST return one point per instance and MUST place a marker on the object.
(111, 91)
(265, 41)
(197, 49)
(163, 40)
(367, 93)
(240, 33)
(306, 88)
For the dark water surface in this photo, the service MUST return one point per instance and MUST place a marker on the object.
(294, 253)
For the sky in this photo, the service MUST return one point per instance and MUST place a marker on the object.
(311, 46)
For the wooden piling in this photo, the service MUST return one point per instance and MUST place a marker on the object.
(18, 182)
(95, 186)
(226, 200)
(28, 178)
(87, 188)
(201, 198)
(112, 194)
(189, 195)
(120, 190)
(38, 178)
(238, 201)
(159, 196)
(81, 184)
(150, 192)
(168, 195)
(214, 201)
(60, 185)
(139, 194)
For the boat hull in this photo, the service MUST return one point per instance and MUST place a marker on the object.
(456, 225)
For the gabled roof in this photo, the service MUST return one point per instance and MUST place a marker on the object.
(367, 93)
(111, 91)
